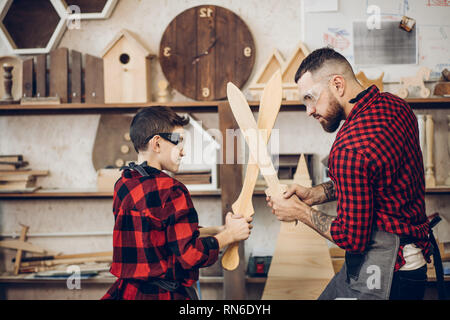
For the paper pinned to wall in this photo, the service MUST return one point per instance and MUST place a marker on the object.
(320, 6)
(388, 44)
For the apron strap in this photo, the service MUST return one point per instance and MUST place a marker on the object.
(437, 260)
(138, 167)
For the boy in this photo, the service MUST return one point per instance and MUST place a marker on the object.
(157, 246)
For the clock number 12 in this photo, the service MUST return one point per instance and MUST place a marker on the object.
(206, 12)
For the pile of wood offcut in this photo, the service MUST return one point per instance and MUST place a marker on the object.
(15, 177)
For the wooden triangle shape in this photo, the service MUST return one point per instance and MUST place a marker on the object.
(273, 63)
(132, 39)
(291, 66)
(301, 176)
(301, 266)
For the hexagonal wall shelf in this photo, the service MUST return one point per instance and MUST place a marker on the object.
(89, 9)
(31, 26)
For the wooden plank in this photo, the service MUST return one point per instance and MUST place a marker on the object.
(225, 25)
(75, 77)
(206, 42)
(244, 117)
(41, 76)
(23, 238)
(21, 245)
(231, 182)
(54, 262)
(244, 62)
(301, 266)
(169, 58)
(25, 172)
(75, 193)
(337, 252)
(94, 80)
(59, 74)
(186, 72)
(27, 78)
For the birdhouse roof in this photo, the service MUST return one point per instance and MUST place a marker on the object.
(133, 39)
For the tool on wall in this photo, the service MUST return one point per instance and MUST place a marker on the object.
(269, 108)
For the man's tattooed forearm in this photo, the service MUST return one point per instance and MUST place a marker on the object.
(321, 221)
(330, 190)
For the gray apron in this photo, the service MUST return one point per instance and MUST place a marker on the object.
(366, 276)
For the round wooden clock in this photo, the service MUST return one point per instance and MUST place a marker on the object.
(203, 49)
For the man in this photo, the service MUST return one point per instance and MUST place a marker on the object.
(377, 178)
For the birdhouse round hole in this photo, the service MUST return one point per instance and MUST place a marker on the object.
(124, 58)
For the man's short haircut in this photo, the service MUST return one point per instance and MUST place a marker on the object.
(322, 57)
(153, 120)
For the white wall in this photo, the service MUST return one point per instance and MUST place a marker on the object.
(63, 143)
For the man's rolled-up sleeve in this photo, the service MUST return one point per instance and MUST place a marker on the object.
(351, 174)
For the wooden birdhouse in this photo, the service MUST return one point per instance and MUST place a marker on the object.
(126, 64)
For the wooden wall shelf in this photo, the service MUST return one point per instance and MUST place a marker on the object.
(80, 194)
(6, 279)
(197, 106)
(438, 190)
(94, 194)
(100, 279)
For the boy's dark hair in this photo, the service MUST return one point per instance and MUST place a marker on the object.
(316, 60)
(153, 120)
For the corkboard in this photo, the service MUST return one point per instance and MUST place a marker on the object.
(109, 141)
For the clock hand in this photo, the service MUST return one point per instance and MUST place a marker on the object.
(205, 53)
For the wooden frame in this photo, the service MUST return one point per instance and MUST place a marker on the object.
(291, 66)
(269, 68)
(56, 36)
(104, 14)
(288, 70)
(290, 90)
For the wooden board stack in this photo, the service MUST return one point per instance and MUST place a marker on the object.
(194, 177)
(13, 176)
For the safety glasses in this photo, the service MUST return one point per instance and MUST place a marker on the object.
(312, 95)
(173, 137)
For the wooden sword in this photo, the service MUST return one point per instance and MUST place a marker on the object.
(268, 111)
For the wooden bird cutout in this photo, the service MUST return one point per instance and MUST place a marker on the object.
(366, 82)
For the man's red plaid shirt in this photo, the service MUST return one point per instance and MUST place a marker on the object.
(377, 167)
(155, 236)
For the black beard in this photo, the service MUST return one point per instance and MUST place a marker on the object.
(334, 117)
